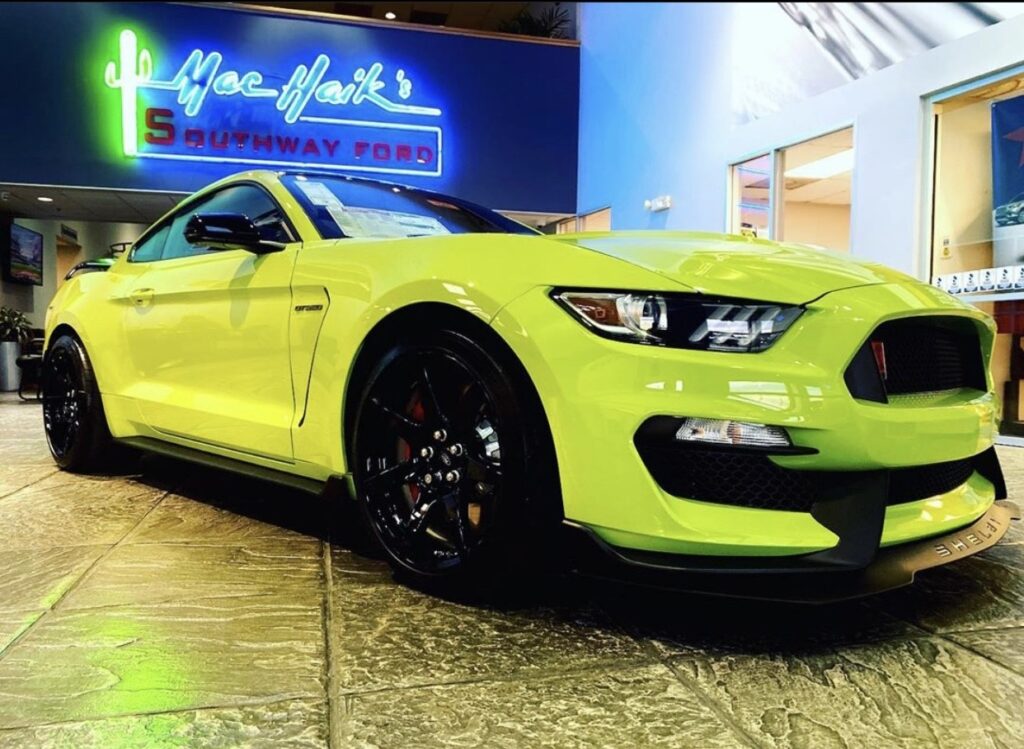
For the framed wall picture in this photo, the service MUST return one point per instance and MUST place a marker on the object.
(23, 256)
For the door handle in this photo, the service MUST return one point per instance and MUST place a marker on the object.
(141, 297)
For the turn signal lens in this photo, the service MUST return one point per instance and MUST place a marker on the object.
(723, 432)
(630, 315)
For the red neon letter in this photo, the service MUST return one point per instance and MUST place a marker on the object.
(160, 130)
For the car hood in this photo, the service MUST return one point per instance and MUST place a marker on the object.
(731, 265)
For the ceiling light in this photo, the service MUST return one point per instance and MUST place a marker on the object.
(824, 168)
(44, 199)
(390, 16)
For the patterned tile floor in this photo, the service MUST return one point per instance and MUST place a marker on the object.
(175, 606)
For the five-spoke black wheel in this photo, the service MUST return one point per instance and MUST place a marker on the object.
(441, 456)
(76, 427)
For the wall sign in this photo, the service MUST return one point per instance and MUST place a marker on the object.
(172, 96)
(1008, 181)
(181, 117)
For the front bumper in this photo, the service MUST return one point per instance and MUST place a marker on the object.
(597, 393)
(799, 579)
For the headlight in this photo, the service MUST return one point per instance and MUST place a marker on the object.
(680, 320)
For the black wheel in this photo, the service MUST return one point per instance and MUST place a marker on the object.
(76, 427)
(448, 469)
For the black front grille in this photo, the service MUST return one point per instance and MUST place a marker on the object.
(751, 480)
(917, 355)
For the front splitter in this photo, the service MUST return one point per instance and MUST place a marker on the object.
(760, 578)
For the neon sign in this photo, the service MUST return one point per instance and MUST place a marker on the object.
(184, 116)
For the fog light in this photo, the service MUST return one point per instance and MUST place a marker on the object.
(724, 432)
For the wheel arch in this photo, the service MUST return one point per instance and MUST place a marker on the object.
(431, 315)
(63, 328)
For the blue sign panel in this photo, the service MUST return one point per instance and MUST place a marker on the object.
(1007, 151)
(186, 115)
(170, 97)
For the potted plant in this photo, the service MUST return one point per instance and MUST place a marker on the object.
(14, 328)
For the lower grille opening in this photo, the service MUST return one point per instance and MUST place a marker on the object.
(749, 480)
(928, 354)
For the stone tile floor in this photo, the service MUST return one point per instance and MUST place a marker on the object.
(173, 606)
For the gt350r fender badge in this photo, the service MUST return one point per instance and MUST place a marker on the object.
(308, 307)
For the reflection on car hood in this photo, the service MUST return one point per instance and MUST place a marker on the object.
(731, 265)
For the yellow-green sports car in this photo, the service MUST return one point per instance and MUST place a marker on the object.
(711, 412)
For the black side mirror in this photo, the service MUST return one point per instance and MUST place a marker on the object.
(226, 231)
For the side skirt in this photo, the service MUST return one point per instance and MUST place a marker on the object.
(311, 486)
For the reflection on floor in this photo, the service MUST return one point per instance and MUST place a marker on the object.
(177, 606)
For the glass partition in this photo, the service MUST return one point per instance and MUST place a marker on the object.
(817, 182)
(977, 240)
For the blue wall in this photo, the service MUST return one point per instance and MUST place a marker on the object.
(654, 112)
(489, 120)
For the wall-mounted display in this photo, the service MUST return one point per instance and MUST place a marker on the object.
(1008, 181)
(23, 256)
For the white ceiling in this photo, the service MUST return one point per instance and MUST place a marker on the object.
(833, 191)
(74, 204)
(460, 15)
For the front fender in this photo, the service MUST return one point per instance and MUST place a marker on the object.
(317, 437)
(367, 281)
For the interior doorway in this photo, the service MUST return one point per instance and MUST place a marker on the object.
(69, 254)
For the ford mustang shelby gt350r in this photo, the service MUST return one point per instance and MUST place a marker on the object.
(715, 412)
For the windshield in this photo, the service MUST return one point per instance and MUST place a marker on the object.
(350, 207)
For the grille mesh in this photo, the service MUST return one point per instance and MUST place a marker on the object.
(922, 355)
(748, 480)
(925, 355)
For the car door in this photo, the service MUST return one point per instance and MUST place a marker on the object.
(207, 332)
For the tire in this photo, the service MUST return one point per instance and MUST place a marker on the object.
(452, 465)
(73, 417)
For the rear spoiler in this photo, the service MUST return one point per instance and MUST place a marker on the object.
(98, 265)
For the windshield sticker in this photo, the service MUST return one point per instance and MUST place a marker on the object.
(370, 222)
(349, 227)
(318, 193)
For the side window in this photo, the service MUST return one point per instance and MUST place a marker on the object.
(245, 199)
(151, 248)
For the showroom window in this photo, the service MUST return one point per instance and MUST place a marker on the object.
(977, 231)
(600, 220)
(800, 193)
(816, 186)
(750, 212)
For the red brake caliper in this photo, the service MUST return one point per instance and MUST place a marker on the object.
(416, 413)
